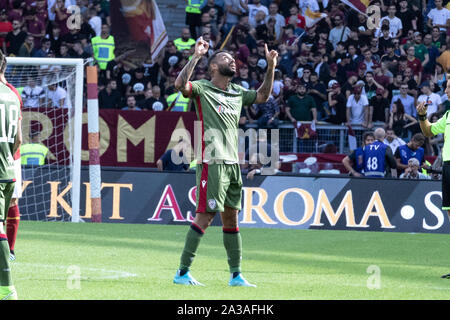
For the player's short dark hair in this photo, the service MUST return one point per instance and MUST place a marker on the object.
(214, 55)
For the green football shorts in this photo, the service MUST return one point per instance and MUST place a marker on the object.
(6, 192)
(218, 185)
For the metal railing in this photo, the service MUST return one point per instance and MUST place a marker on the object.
(327, 134)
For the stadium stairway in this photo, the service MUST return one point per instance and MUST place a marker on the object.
(173, 14)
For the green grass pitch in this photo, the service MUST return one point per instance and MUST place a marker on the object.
(125, 261)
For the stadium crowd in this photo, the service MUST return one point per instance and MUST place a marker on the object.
(340, 70)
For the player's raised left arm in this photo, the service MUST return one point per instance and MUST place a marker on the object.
(263, 93)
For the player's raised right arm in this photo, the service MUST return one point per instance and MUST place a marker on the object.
(182, 81)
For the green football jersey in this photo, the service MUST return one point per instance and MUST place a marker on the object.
(9, 118)
(219, 112)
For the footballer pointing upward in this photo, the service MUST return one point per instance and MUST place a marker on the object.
(218, 105)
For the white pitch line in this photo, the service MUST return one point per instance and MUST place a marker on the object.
(108, 274)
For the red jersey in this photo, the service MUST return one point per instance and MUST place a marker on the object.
(415, 65)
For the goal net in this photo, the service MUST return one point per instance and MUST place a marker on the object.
(52, 93)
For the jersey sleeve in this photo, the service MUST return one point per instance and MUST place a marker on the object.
(439, 126)
(195, 89)
(248, 97)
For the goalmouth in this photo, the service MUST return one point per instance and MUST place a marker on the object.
(67, 75)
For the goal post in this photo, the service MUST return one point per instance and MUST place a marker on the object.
(69, 74)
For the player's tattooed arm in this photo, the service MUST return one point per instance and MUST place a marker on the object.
(263, 93)
(182, 81)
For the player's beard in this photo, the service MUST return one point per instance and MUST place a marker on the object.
(226, 71)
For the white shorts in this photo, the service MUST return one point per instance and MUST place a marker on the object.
(18, 175)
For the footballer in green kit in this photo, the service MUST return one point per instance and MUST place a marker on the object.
(10, 139)
(218, 104)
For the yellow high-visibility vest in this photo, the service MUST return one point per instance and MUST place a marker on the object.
(103, 50)
(194, 6)
(181, 103)
(183, 45)
(33, 154)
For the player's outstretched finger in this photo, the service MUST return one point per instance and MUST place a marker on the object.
(266, 49)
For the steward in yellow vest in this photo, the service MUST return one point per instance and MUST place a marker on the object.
(33, 153)
(194, 15)
(185, 42)
(177, 102)
(103, 47)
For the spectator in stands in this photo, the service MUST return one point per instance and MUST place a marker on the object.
(412, 171)
(95, 21)
(5, 26)
(336, 104)
(55, 38)
(16, 12)
(392, 140)
(395, 24)
(63, 51)
(296, 20)
(35, 27)
(438, 39)
(432, 99)
(400, 121)
(318, 91)
(280, 22)
(354, 162)
(131, 104)
(414, 63)
(78, 51)
(378, 108)
(268, 113)
(433, 54)
(357, 107)
(110, 97)
(253, 10)
(61, 16)
(216, 12)
(57, 96)
(154, 101)
(413, 149)
(175, 159)
(26, 50)
(233, 11)
(438, 17)
(139, 83)
(42, 52)
(406, 99)
(340, 32)
(33, 96)
(301, 107)
(14, 39)
(185, 42)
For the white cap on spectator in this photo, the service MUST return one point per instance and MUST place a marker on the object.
(330, 84)
(262, 63)
(157, 106)
(138, 87)
(126, 78)
(360, 83)
(173, 60)
(299, 72)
